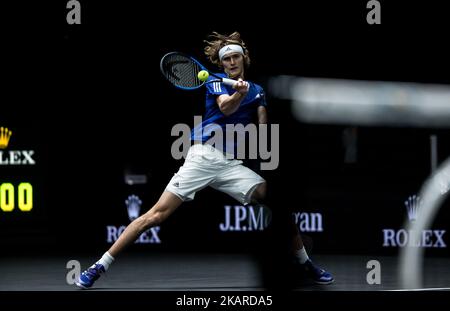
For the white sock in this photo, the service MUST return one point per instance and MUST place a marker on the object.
(301, 255)
(106, 260)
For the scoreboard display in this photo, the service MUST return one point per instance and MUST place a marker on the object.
(10, 197)
(21, 182)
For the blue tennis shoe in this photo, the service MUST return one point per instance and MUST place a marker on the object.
(88, 277)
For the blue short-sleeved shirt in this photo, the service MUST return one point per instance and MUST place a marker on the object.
(214, 119)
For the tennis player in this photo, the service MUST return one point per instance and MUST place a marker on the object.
(208, 165)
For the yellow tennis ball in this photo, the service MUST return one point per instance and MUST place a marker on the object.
(203, 75)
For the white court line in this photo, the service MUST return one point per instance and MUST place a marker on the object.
(417, 289)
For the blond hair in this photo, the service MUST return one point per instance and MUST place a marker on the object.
(218, 41)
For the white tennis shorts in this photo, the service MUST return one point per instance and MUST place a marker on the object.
(207, 166)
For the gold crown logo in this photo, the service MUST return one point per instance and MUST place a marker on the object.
(5, 135)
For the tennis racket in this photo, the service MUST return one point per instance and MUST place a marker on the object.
(182, 71)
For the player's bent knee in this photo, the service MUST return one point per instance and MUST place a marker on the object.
(152, 218)
(260, 192)
(140, 223)
(157, 214)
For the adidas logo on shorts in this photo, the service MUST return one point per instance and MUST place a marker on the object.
(176, 184)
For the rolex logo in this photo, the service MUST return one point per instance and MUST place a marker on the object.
(5, 135)
(406, 238)
(413, 204)
(133, 206)
(149, 236)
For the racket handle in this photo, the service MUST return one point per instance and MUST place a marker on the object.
(229, 82)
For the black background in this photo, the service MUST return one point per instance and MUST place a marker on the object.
(96, 97)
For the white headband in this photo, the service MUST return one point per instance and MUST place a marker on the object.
(229, 49)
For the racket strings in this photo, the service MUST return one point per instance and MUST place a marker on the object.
(181, 71)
